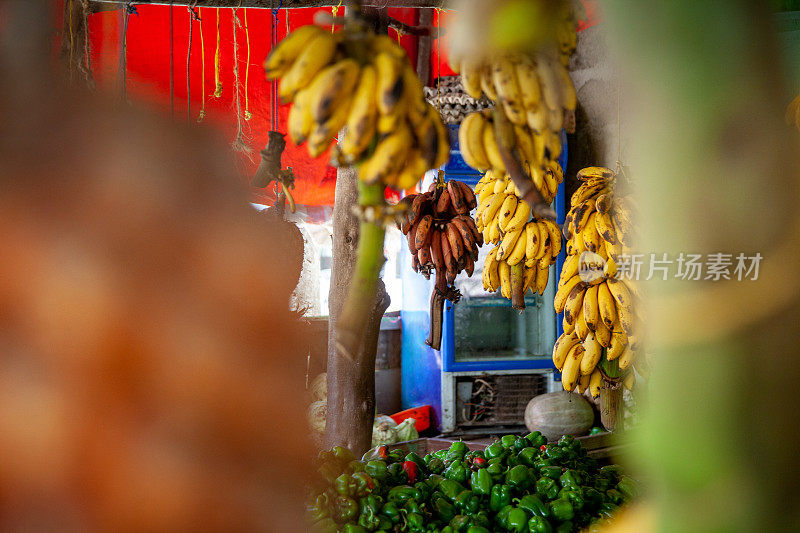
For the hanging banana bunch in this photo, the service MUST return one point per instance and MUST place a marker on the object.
(365, 83)
(522, 242)
(537, 97)
(442, 238)
(599, 328)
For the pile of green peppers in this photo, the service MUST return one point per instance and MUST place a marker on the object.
(517, 484)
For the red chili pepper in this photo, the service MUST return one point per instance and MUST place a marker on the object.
(543, 447)
(382, 452)
(480, 462)
(412, 470)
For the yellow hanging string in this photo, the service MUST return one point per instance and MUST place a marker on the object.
(218, 91)
(247, 114)
(398, 33)
(202, 114)
(335, 11)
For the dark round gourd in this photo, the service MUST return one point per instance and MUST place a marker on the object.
(559, 413)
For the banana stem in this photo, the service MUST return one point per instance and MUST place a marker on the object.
(504, 135)
(611, 405)
(518, 287)
(369, 261)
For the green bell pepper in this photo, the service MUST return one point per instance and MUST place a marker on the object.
(456, 472)
(537, 524)
(436, 466)
(477, 529)
(481, 482)
(556, 453)
(571, 478)
(494, 450)
(344, 509)
(500, 497)
(607, 509)
(424, 490)
(414, 522)
(467, 502)
(536, 439)
(395, 474)
(512, 460)
(441, 454)
(517, 521)
(528, 456)
(518, 477)
(376, 469)
(561, 510)
(481, 519)
(521, 443)
(553, 472)
(450, 488)
(363, 484)
(575, 496)
(353, 528)
(391, 511)
(547, 488)
(460, 523)
(507, 441)
(326, 525)
(413, 457)
(433, 481)
(355, 466)
(401, 494)
(412, 506)
(592, 499)
(442, 509)
(459, 447)
(534, 505)
(343, 454)
(502, 516)
(397, 455)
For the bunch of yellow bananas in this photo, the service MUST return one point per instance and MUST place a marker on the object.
(598, 308)
(536, 95)
(366, 83)
(505, 220)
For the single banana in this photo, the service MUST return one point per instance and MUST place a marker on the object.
(574, 305)
(619, 340)
(331, 86)
(595, 382)
(562, 347)
(591, 310)
(521, 215)
(606, 305)
(537, 120)
(518, 253)
(300, 122)
(605, 227)
(413, 171)
(603, 334)
(486, 82)
(569, 269)
(492, 151)
(470, 138)
(529, 280)
(289, 49)
(568, 328)
(532, 241)
(505, 279)
(390, 81)
(572, 366)
(581, 328)
(388, 156)
(504, 76)
(555, 235)
(471, 78)
(583, 381)
(491, 268)
(361, 120)
(591, 356)
(549, 82)
(507, 210)
(626, 358)
(507, 245)
(494, 231)
(629, 381)
(624, 304)
(495, 205)
(317, 53)
(563, 292)
(591, 239)
(588, 173)
(542, 275)
(528, 83)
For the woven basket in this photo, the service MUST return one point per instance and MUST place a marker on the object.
(452, 102)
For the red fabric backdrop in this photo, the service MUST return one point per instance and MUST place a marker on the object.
(151, 39)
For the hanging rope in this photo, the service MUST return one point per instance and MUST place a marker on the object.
(122, 72)
(273, 44)
(239, 143)
(71, 41)
(85, 65)
(202, 114)
(247, 115)
(192, 17)
(335, 12)
(171, 61)
(218, 90)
